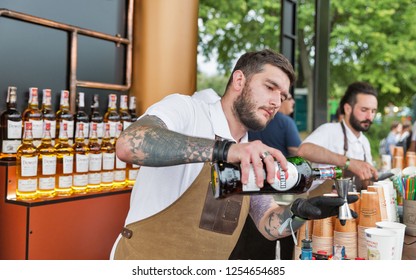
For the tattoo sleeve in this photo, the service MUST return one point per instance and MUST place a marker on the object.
(150, 143)
(269, 216)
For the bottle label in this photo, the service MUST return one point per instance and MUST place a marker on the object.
(86, 128)
(108, 161)
(81, 163)
(27, 185)
(65, 181)
(70, 128)
(95, 162)
(29, 166)
(80, 180)
(107, 177)
(100, 130)
(37, 128)
(133, 174)
(48, 165)
(113, 128)
(120, 175)
(10, 146)
(47, 183)
(68, 164)
(94, 178)
(283, 181)
(53, 127)
(120, 164)
(126, 124)
(14, 129)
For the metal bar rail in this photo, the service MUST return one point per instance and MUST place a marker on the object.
(74, 31)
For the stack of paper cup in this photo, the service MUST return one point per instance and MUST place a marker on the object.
(399, 229)
(380, 244)
(382, 201)
(369, 214)
(323, 235)
(391, 201)
(385, 163)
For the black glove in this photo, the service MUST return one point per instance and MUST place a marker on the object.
(320, 207)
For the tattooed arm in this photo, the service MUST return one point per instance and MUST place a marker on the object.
(149, 142)
(269, 216)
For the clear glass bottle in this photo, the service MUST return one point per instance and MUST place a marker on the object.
(112, 117)
(81, 162)
(96, 117)
(108, 152)
(46, 165)
(132, 108)
(64, 115)
(65, 163)
(225, 178)
(11, 127)
(95, 161)
(81, 115)
(34, 115)
(27, 167)
(48, 113)
(124, 112)
(120, 166)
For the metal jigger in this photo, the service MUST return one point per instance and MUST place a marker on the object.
(342, 186)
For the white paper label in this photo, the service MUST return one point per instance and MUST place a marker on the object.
(65, 181)
(120, 175)
(48, 165)
(68, 164)
(113, 128)
(47, 183)
(94, 178)
(81, 163)
(133, 174)
(27, 185)
(69, 128)
(120, 164)
(95, 162)
(107, 177)
(108, 161)
(80, 180)
(29, 166)
(10, 146)
(53, 127)
(14, 129)
(126, 124)
(37, 128)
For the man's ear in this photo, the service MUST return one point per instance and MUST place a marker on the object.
(347, 108)
(238, 80)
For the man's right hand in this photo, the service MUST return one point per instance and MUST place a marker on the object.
(363, 170)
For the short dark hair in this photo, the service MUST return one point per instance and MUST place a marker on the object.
(252, 63)
(350, 96)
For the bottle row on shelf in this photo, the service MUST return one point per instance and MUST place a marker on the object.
(12, 121)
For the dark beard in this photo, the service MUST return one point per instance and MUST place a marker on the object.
(245, 110)
(356, 124)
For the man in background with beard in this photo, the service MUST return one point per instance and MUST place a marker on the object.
(344, 144)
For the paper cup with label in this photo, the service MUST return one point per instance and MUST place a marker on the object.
(399, 229)
(381, 243)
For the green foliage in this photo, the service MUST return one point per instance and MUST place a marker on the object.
(217, 83)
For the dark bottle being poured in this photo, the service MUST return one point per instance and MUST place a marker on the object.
(225, 178)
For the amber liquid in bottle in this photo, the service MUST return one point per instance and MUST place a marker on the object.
(48, 113)
(27, 167)
(225, 178)
(81, 116)
(95, 161)
(124, 112)
(65, 164)
(46, 165)
(120, 168)
(64, 115)
(34, 115)
(112, 117)
(11, 127)
(108, 152)
(81, 162)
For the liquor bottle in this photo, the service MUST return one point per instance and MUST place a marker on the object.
(132, 108)
(48, 113)
(96, 117)
(65, 162)
(132, 171)
(125, 116)
(298, 178)
(11, 127)
(64, 115)
(27, 166)
(95, 161)
(108, 152)
(46, 165)
(120, 169)
(111, 116)
(81, 162)
(34, 115)
(81, 115)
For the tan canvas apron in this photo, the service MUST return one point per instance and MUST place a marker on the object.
(196, 226)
